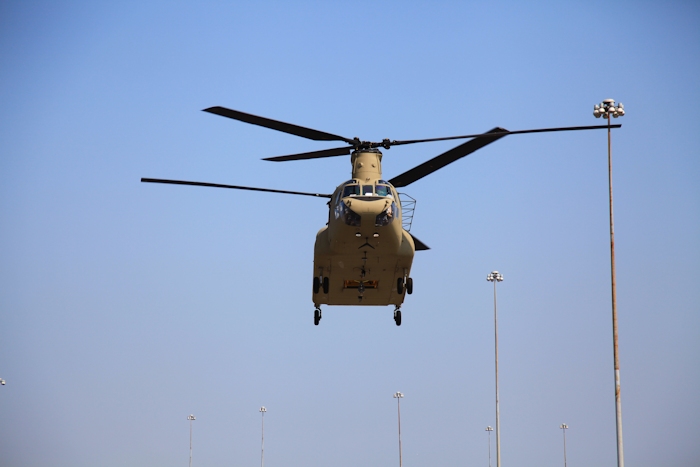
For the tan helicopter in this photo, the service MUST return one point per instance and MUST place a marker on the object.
(363, 255)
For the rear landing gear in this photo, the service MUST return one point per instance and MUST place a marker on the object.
(397, 316)
(317, 316)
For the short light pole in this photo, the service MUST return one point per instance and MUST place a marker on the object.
(262, 445)
(489, 429)
(564, 427)
(607, 108)
(191, 418)
(398, 396)
(495, 277)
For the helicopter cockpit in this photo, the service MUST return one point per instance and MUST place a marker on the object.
(381, 190)
(366, 192)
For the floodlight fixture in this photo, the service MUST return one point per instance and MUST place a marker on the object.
(494, 276)
(608, 108)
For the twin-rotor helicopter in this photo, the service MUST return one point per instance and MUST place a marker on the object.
(363, 255)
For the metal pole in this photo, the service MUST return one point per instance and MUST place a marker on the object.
(400, 449)
(191, 418)
(262, 445)
(618, 402)
(398, 397)
(564, 427)
(489, 429)
(498, 415)
(608, 108)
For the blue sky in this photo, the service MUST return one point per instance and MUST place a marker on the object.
(124, 306)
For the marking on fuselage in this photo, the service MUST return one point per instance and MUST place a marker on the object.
(365, 244)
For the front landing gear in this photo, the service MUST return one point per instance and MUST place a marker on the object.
(317, 316)
(321, 283)
(397, 316)
(402, 284)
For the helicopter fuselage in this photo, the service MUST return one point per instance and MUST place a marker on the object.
(363, 253)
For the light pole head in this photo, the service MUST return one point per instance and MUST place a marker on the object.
(607, 108)
(488, 428)
(191, 417)
(398, 395)
(495, 276)
(564, 426)
(263, 409)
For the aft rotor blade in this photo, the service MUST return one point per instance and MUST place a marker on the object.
(448, 157)
(313, 154)
(504, 133)
(420, 246)
(218, 185)
(277, 125)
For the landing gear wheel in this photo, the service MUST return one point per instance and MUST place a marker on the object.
(317, 316)
(409, 285)
(397, 317)
(399, 285)
(325, 285)
(317, 284)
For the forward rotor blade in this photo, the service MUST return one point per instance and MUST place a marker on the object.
(448, 157)
(504, 133)
(277, 125)
(312, 155)
(217, 185)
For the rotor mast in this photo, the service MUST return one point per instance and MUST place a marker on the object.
(366, 165)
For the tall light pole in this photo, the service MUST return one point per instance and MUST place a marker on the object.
(494, 277)
(489, 429)
(191, 418)
(398, 396)
(262, 445)
(564, 427)
(607, 108)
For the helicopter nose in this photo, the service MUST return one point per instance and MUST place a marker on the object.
(370, 208)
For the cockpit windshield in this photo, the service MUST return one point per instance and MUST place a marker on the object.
(383, 190)
(351, 190)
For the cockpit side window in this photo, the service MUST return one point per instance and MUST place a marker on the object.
(337, 196)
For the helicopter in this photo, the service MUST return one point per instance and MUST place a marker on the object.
(364, 253)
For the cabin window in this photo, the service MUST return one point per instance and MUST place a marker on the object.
(348, 215)
(387, 217)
